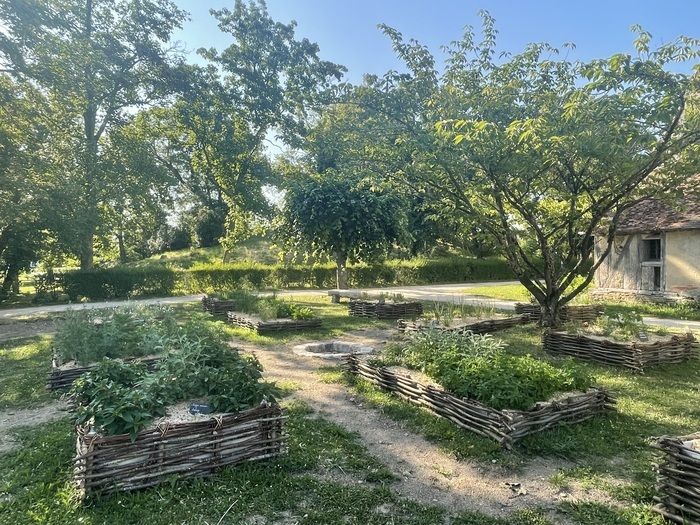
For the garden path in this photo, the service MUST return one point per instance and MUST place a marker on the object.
(28, 417)
(448, 293)
(426, 473)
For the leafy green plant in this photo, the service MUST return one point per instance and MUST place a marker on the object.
(118, 397)
(87, 336)
(478, 367)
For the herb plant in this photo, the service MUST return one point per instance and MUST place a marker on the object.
(478, 367)
(118, 397)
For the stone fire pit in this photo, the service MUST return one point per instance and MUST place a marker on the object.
(331, 349)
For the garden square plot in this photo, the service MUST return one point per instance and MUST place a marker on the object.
(474, 325)
(637, 356)
(269, 314)
(471, 380)
(86, 337)
(504, 426)
(216, 306)
(572, 312)
(273, 325)
(678, 488)
(621, 340)
(110, 463)
(385, 309)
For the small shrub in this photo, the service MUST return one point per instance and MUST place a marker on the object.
(478, 367)
(120, 397)
(89, 335)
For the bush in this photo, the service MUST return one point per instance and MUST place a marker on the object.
(478, 367)
(213, 277)
(120, 397)
(266, 307)
(120, 282)
(88, 336)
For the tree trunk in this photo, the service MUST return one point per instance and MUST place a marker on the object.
(551, 311)
(91, 152)
(122, 249)
(11, 278)
(341, 273)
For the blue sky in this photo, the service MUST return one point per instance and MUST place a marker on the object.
(347, 30)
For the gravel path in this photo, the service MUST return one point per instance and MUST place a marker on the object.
(426, 473)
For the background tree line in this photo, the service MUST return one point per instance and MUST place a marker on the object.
(115, 147)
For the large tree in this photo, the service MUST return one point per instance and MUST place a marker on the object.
(546, 152)
(24, 187)
(96, 60)
(272, 84)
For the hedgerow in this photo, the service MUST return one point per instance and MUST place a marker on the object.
(205, 278)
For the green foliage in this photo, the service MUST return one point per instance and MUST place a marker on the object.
(86, 336)
(625, 325)
(120, 397)
(266, 307)
(217, 277)
(119, 282)
(478, 367)
(338, 215)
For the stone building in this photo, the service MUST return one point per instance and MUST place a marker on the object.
(655, 254)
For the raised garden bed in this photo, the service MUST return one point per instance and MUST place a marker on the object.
(504, 426)
(633, 355)
(486, 326)
(385, 310)
(61, 377)
(584, 313)
(217, 307)
(107, 464)
(273, 325)
(678, 488)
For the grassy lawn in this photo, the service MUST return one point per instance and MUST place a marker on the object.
(610, 452)
(24, 365)
(252, 250)
(517, 292)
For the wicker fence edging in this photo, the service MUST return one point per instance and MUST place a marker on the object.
(504, 426)
(272, 326)
(678, 480)
(217, 307)
(384, 310)
(636, 356)
(108, 464)
(486, 326)
(61, 379)
(583, 313)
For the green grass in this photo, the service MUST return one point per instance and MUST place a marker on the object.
(506, 292)
(517, 292)
(611, 452)
(252, 250)
(35, 487)
(24, 365)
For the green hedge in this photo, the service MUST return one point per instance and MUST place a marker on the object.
(213, 277)
(131, 282)
(113, 283)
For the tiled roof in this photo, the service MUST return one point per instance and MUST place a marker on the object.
(653, 215)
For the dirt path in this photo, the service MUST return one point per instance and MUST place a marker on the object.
(426, 473)
(22, 329)
(14, 418)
